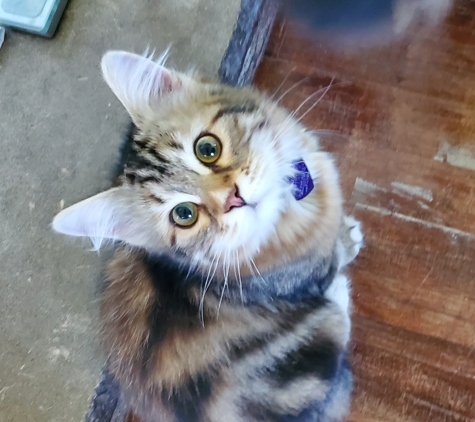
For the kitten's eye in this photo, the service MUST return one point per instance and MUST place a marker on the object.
(185, 214)
(208, 149)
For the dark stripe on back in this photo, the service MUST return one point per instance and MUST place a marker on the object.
(288, 320)
(322, 360)
(187, 401)
(173, 312)
(260, 412)
(319, 358)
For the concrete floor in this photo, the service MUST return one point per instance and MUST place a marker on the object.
(60, 127)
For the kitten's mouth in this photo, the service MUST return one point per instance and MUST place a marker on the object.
(234, 200)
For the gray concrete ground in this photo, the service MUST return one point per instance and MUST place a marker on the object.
(60, 127)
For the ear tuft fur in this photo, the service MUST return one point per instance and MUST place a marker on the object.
(138, 81)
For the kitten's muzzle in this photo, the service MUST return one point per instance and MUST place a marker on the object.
(234, 200)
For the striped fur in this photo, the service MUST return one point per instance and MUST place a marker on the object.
(243, 316)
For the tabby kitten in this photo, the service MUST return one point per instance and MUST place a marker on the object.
(225, 300)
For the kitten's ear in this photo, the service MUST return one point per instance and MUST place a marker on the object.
(112, 214)
(137, 81)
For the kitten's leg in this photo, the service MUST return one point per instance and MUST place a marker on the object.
(339, 291)
(351, 240)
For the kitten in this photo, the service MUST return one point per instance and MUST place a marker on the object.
(226, 299)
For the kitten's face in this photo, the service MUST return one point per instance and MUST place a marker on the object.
(208, 174)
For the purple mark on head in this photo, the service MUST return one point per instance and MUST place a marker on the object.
(302, 181)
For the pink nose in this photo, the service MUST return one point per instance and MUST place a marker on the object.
(234, 200)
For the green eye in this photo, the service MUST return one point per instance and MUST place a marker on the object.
(185, 214)
(207, 149)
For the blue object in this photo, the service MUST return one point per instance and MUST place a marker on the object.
(342, 15)
(39, 17)
(302, 181)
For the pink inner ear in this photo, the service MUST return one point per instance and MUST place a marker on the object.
(137, 80)
(152, 74)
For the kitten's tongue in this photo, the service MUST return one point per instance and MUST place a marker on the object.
(302, 181)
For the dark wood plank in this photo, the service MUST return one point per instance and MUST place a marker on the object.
(248, 41)
(401, 120)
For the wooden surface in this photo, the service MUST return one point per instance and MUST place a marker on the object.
(403, 118)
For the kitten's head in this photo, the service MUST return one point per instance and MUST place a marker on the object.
(207, 177)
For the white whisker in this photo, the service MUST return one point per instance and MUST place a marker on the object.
(325, 90)
(281, 85)
(321, 97)
(289, 121)
(239, 277)
(226, 265)
(209, 279)
(295, 85)
(257, 270)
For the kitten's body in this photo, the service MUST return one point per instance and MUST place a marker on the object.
(242, 315)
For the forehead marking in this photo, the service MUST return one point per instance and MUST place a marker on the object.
(246, 108)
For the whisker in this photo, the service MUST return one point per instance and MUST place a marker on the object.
(209, 279)
(258, 272)
(239, 277)
(326, 132)
(191, 268)
(226, 265)
(314, 104)
(325, 90)
(281, 84)
(289, 122)
(295, 85)
(253, 273)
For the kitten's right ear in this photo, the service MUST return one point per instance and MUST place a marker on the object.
(113, 214)
(138, 82)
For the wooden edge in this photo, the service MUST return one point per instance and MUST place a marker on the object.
(239, 64)
(247, 44)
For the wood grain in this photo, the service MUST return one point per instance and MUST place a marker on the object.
(400, 119)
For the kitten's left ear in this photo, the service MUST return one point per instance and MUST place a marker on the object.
(138, 82)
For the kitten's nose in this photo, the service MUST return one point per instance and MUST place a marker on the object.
(234, 200)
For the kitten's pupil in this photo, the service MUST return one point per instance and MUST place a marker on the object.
(208, 149)
(185, 214)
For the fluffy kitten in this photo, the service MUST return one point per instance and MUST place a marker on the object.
(225, 300)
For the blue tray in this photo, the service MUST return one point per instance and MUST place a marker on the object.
(37, 16)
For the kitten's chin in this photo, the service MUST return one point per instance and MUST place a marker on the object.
(251, 226)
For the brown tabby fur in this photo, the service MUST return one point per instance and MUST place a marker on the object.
(266, 339)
